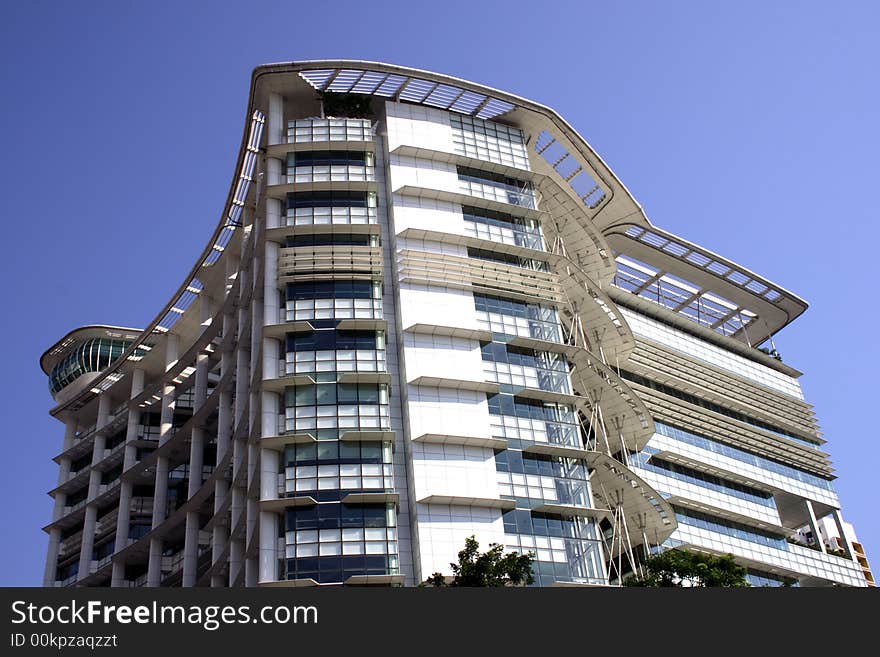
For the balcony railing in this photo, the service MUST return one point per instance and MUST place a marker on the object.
(330, 215)
(502, 194)
(306, 309)
(320, 130)
(331, 173)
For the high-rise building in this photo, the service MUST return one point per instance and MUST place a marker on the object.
(430, 311)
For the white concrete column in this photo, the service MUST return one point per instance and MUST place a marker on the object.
(220, 532)
(160, 495)
(276, 133)
(58, 509)
(274, 213)
(847, 544)
(270, 466)
(51, 568)
(123, 519)
(272, 356)
(271, 305)
(64, 469)
(814, 525)
(271, 415)
(268, 546)
(275, 171)
(196, 454)
(91, 514)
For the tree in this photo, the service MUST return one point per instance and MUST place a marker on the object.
(492, 568)
(683, 568)
(352, 106)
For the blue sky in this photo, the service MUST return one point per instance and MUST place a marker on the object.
(748, 127)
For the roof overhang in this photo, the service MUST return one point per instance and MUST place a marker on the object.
(700, 285)
(54, 354)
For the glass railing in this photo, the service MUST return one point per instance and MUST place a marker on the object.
(331, 173)
(331, 215)
(339, 361)
(500, 193)
(318, 130)
(306, 309)
(505, 235)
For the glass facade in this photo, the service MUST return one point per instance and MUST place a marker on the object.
(328, 409)
(520, 420)
(521, 367)
(312, 130)
(328, 470)
(565, 549)
(335, 351)
(511, 317)
(644, 460)
(331, 542)
(486, 140)
(503, 228)
(331, 207)
(740, 455)
(496, 187)
(91, 355)
(729, 528)
(531, 479)
(334, 299)
(508, 259)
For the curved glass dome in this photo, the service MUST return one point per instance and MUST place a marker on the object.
(91, 356)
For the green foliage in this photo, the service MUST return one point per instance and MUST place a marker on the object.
(350, 106)
(492, 568)
(682, 568)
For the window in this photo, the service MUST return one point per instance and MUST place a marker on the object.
(333, 340)
(333, 541)
(331, 199)
(332, 290)
(522, 367)
(508, 259)
(509, 317)
(332, 239)
(329, 158)
(503, 228)
(329, 409)
(330, 469)
(533, 421)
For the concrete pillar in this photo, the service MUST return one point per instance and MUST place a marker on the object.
(196, 454)
(847, 544)
(123, 520)
(276, 133)
(275, 171)
(58, 508)
(270, 460)
(64, 470)
(160, 495)
(275, 213)
(814, 525)
(51, 568)
(269, 547)
(91, 514)
(271, 300)
(220, 533)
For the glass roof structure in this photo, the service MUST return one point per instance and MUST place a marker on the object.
(700, 285)
(407, 88)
